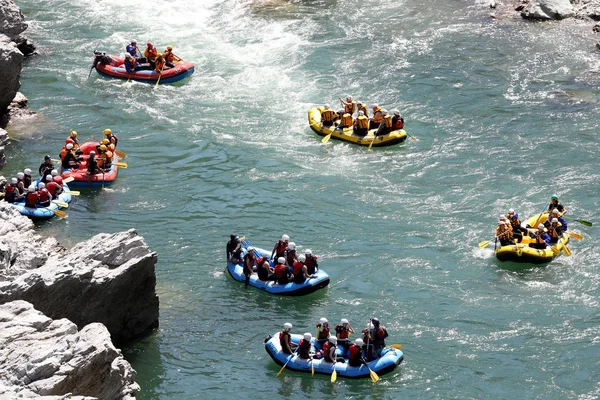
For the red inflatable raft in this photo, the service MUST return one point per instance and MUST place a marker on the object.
(116, 69)
(83, 179)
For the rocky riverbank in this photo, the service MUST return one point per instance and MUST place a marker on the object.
(105, 287)
(547, 9)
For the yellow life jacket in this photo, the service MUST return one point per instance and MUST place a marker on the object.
(346, 120)
(349, 107)
(388, 121)
(363, 108)
(328, 115)
(362, 122)
(377, 115)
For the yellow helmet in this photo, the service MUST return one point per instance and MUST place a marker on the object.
(102, 147)
(105, 141)
(169, 48)
(73, 133)
(107, 132)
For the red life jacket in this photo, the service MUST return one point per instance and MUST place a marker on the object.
(31, 199)
(297, 267)
(355, 353)
(9, 189)
(330, 349)
(326, 347)
(311, 264)
(281, 247)
(52, 186)
(43, 195)
(324, 333)
(284, 337)
(279, 271)
(399, 124)
(342, 331)
(304, 348)
(57, 179)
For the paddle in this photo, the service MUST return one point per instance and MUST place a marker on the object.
(61, 203)
(159, 76)
(286, 363)
(576, 235)
(484, 244)
(73, 192)
(372, 374)
(412, 137)
(373, 141)
(584, 222)
(121, 164)
(60, 214)
(91, 69)
(567, 250)
(334, 374)
(120, 153)
(326, 138)
(312, 367)
(69, 179)
(542, 213)
(396, 346)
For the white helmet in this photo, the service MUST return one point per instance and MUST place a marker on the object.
(281, 260)
(323, 320)
(292, 246)
(307, 336)
(41, 185)
(359, 342)
(361, 112)
(54, 172)
(555, 211)
(344, 321)
(554, 220)
(250, 248)
(327, 105)
(541, 226)
(31, 188)
(333, 339)
(127, 55)
(308, 252)
(503, 217)
(92, 153)
(500, 222)
(511, 211)
(349, 98)
(20, 175)
(27, 171)
(375, 105)
(287, 327)
(14, 181)
(396, 112)
(384, 111)
(69, 146)
(370, 325)
(302, 258)
(48, 178)
(285, 237)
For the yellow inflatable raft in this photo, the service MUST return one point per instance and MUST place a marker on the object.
(347, 134)
(522, 253)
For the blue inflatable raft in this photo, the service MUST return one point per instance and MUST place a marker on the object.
(389, 360)
(44, 212)
(320, 280)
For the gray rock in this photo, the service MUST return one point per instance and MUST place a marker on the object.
(12, 22)
(11, 61)
(3, 141)
(108, 279)
(548, 9)
(50, 358)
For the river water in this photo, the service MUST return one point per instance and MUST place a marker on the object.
(505, 114)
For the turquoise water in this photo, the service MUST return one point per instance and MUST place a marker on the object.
(505, 113)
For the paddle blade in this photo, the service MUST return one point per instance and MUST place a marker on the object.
(121, 165)
(60, 214)
(484, 244)
(281, 370)
(374, 376)
(121, 153)
(69, 179)
(371, 144)
(61, 203)
(312, 365)
(326, 138)
(576, 235)
(567, 250)
(584, 222)
(334, 375)
(555, 250)
(73, 192)
(396, 346)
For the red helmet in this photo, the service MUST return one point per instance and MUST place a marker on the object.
(69, 140)
(149, 44)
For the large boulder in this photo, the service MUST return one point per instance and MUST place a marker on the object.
(11, 61)
(548, 9)
(109, 278)
(12, 22)
(44, 357)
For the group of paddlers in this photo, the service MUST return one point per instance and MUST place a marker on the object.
(288, 265)
(510, 230)
(135, 60)
(337, 346)
(361, 122)
(23, 188)
(98, 161)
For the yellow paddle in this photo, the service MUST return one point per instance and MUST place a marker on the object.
(159, 76)
(61, 203)
(576, 235)
(74, 192)
(326, 138)
(312, 365)
(412, 137)
(484, 244)
(121, 164)
(334, 373)
(373, 141)
(60, 213)
(120, 153)
(396, 346)
(286, 363)
(69, 179)
(567, 250)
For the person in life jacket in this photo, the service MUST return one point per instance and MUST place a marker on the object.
(53, 187)
(249, 264)
(282, 272)
(21, 188)
(160, 63)
(556, 214)
(44, 196)
(328, 116)
(170, 58)
(285, 339)
(70, 160)
(554, 230)
(299, 270)
(515, 223)
(57, 178)
(379, 334)
(104, 158)
(349, 105)
(345, 121)
(234, 249)
(304, 346)
(46, 168)
(329, 351)
(361, 124)
(323, 330)
(280, 247)
(27, 179)
(541, 238)
(397, 120)
(92, 164)
(386, 125)
(73, 139)
(343, 330)
(150, 53)
(504, 233)
(11, 193)
(377, 117)
(355, 356)
(101, 57)
(554, 203)
(290, 254)
(31, 198)
(367, 337)
(133, 49)
(264, 270)
(131, 63)
(362, 107)
(311, 262)
(110, 136)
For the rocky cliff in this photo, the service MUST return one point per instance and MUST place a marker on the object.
(52, 359)
(109, 278)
